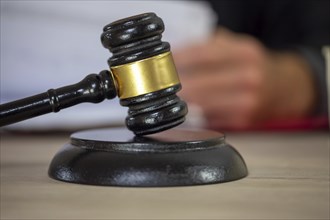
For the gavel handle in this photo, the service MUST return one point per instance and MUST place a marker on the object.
(93, 88)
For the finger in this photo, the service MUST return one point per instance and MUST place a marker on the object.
(195, 57)
(226, 106)
(218, 82)
(232, 112)
(196, 87)
(218, 49)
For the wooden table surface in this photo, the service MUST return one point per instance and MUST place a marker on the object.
(288, 179)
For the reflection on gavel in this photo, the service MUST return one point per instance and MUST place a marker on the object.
(143, 75)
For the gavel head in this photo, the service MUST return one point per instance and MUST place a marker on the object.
(144, 73)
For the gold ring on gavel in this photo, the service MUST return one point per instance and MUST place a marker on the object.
(145, 76)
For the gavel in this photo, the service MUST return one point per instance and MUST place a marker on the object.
(142, 74)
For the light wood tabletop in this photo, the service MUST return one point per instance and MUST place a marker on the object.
(288, 179)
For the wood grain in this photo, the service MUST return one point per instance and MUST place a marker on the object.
(288, 179)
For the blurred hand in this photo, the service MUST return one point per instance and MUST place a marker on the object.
(239, 84)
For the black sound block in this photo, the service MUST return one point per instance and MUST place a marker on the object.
(176, 157)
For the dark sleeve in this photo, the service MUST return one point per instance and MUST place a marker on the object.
(299, 25)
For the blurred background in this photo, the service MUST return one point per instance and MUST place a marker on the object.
(244, 65)
(49, 44)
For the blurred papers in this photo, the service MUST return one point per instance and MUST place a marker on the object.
(50, 44)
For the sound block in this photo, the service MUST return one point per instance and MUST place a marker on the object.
(176, 157)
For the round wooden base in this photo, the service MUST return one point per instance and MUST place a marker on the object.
(176, 157)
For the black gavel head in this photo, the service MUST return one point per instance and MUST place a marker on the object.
(144, 73)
